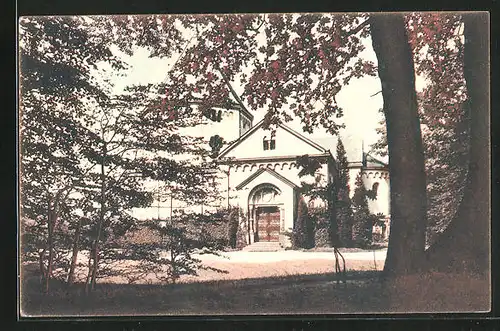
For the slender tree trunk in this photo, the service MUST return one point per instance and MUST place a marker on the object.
(89, 273)
(406, 157)
(101, 218)
(52, 218)
(74, 256)
(43, 271)
(41, 255)
(51, 252)
(465, 244)
(173, 265)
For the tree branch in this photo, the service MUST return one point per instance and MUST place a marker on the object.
(231, 89)
(256, 30)
(359, 27)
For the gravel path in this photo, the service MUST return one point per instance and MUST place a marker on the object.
(243, 265)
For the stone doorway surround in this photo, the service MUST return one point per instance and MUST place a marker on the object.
(266, 213)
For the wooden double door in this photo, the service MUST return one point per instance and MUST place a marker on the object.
(268, 224)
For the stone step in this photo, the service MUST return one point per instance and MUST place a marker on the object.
(263, 246)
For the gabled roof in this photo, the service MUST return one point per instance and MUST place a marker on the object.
(368, 158)
(368, 162)
(283, 126)
(259, 172)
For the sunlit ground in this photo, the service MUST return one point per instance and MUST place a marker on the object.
(292, 285)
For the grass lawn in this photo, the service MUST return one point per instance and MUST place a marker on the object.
(320, 293)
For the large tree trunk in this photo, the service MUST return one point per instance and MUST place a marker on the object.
(406, 157)
(465, 244)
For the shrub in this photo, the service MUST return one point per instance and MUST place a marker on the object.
(142, 235)
(225, 228)
(345, 222)
(321, 235)
(233, 227)
(362, 230)
(241, 240)
(303, 230)
(172, 256)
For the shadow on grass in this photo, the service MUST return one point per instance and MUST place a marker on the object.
(293, 294)
(364, 292)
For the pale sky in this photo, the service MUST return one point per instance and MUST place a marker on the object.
(359, 100)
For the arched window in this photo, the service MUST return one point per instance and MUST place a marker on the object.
(375, 187)
(272, 144)
(265, 194)
(265, 143)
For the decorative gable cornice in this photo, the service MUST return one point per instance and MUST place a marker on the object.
(284, 127)
(282, 158)
(301, 137)
(261, 171)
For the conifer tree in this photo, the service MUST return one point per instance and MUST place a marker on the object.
(363, 220)
(325, 218)
(344, 209)
(303, 236)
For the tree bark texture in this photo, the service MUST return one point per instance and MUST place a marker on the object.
(406, 157)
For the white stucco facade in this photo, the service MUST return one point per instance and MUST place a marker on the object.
(377, 178)
(258, 173)
(250, 166)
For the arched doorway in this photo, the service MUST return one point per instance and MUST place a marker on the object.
(264, 205)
